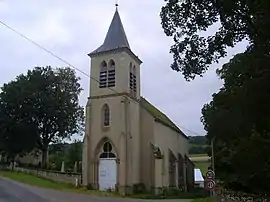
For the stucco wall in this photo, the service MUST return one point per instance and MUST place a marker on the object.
(147, 136)
(166, 138)
(134, 122)
(114, 133)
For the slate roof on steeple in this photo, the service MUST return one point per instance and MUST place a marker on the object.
(116, 36)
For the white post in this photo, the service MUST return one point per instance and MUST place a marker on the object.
(63, 167)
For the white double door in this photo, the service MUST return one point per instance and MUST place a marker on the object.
(107, 174)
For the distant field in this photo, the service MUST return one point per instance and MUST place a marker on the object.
(201, 161)
(202, 165)
(197, 155)
(200, 158)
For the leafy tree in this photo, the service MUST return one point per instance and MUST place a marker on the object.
(74, 153)
(198, 149)
(197, 140)
(238, 20)
(49, 101)
(239, 119)
(69, 153)
(18, 134)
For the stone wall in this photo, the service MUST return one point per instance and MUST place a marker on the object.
(68, 178)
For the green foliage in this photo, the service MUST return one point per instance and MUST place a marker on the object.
(239, 119)
(74, 154)
(139, 188)
(45, 103)
(202, 165)
(35, 181)
(17, 132)
(69, 153)
(198, 140)
(198, 145)
(172, 193)
(186, 21)
(203, 200)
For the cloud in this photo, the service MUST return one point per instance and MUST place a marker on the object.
(71, 30)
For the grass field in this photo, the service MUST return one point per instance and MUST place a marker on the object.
(202, 165)
(197, 155)
(202, 200)
(35, 181)
(201, 161)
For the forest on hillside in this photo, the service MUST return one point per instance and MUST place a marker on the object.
(198, 145)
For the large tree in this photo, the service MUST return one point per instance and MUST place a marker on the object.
(17, 132)
(239, 119)
(194, 48)
(49, 101)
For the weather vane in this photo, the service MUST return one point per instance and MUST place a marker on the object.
(116, 3)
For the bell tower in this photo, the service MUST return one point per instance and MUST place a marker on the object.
(112, 111)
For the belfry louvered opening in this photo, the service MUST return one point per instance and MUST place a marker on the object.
(103, 75)
(132, 80)
(111, 74)
(107, 74)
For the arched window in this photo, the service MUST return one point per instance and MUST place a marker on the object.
(103, 75)
(111, 74)
(107, 151)
(106, 115)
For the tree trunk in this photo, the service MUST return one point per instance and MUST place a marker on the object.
(44, 158)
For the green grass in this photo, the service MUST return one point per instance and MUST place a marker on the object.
(45, 183)
(35, 181)
(203, 200)
(202, 165)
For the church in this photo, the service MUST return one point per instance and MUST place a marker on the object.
(128, 144)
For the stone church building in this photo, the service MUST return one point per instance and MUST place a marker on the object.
(128, 142)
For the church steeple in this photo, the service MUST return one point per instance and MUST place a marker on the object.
(116, 36)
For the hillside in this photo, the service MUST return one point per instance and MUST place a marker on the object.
(198, 145)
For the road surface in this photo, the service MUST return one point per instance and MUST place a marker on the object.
(11, 191)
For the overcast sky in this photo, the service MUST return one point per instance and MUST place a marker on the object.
(72, 29)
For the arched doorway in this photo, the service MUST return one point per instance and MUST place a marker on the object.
(107, 171)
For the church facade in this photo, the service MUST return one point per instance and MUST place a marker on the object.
(128, 142)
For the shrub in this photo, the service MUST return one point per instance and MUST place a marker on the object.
(139, 188)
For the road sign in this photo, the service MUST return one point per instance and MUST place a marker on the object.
(210, 174)
(210, 184)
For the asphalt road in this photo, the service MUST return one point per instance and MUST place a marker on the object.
(11, 191)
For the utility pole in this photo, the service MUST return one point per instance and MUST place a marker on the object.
(213, 155)
(213, 159)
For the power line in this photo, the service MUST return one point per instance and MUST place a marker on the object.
(64, 61)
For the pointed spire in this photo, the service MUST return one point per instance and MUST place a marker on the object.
(116, 36)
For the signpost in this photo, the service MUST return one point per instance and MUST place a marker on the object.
(210, 184)
(210, 174)
(210, 181)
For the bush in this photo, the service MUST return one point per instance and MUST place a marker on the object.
(174, 193)
(139, 188)
(89, 187)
